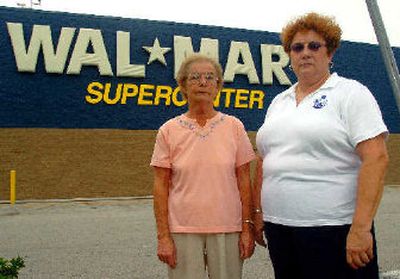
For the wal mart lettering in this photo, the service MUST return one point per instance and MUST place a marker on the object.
(239, 62)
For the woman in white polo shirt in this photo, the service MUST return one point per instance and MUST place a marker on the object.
(322, 160)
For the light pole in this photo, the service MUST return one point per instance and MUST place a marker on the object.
(386, 50)
(35, 3)
(32, 3)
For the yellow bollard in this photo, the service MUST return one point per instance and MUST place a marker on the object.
(12, 186)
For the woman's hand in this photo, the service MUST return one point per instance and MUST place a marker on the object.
(259, 229)
(257, 209)
(246, 244)
(374, 161)
(359, 248)
(166, 251)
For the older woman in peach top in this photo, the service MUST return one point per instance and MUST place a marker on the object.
(201, 182)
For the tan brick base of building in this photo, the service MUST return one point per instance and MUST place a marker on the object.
(93, 163)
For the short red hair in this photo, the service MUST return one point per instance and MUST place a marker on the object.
(325, 26)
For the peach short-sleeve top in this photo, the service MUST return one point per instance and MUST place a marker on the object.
(203, 195)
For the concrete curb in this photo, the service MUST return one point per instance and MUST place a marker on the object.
(78, 200)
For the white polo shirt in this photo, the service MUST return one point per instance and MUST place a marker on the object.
(310, 166)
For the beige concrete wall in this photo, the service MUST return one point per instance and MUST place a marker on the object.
(71, 163)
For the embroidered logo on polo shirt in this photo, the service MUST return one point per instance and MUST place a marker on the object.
(320, 102)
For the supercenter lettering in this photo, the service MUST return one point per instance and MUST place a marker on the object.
(155, 95)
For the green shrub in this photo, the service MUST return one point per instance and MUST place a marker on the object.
(9, 268)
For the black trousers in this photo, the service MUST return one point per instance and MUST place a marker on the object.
(314, 253)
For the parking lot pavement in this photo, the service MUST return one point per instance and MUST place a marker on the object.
(116, 239)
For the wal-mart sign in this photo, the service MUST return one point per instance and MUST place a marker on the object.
(61, 70)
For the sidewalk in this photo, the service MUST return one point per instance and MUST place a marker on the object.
(116, 239)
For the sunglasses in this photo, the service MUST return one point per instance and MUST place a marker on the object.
(313, 46)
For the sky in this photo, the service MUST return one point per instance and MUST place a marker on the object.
(261, 15)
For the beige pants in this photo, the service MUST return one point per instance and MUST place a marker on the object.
(199, 254)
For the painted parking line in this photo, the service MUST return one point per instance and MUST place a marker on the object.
(394, 274)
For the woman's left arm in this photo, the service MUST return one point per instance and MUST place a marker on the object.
(374, 161)
(246, 242)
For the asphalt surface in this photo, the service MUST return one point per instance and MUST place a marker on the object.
(116, 239)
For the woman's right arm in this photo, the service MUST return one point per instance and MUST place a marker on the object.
(166, 250)
(257, 210)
